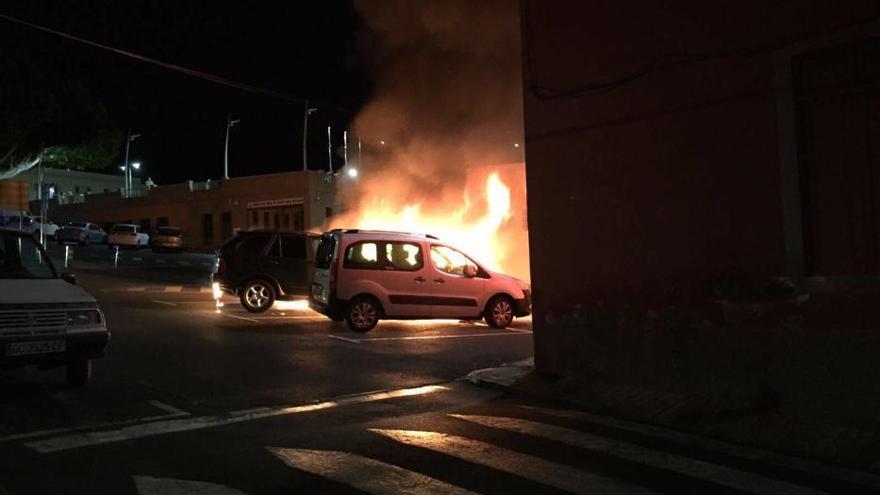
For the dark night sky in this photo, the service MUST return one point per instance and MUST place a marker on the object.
(304, 49)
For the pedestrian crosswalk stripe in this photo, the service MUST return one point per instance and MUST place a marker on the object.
(147, 485)
(693, 468)
(523, 465)
(363, 473)
(705, 443)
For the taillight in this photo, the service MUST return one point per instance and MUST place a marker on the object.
(334, 274)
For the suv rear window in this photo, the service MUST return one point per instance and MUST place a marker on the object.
(293, 246)
(324, 253)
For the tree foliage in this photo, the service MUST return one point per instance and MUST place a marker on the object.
(43, 108)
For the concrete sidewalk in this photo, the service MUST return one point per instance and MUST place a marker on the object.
(753, 424)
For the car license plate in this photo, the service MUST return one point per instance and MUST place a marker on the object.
(42, 347)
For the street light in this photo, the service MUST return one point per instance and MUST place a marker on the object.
(353, 173)
(136, 165)
(229, 125)
(127, 182)
(306, 112)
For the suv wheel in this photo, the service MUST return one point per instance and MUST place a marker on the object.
(257, 296)
(363, 314)
(78, 373)
(499, 312)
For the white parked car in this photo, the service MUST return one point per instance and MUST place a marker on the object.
(127, 235)
(47, 226)
(363, 276)
(46, 320)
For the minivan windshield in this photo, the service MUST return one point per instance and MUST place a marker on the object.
(22, 257)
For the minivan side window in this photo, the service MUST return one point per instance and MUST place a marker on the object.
(450, 261)
(403, 256)
(293, 246)
(363, 254)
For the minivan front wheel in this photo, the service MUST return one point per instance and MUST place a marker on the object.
(363, 314)
(257, 296)
(499, 312)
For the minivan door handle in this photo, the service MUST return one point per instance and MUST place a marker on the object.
(439, 281)
(420, 279)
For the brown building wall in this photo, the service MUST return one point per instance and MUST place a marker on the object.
(283, 194)
(666, 145)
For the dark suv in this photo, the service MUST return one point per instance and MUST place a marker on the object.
(261, 266)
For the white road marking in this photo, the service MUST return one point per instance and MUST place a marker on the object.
(77, 440)
(353, 341)
(172, 412)
(240, 317)
(432, 337)
(694, 468)
(147, 485)
(167, 303)
(168, 408)
(523, 465)
(363, 473)
(691, 440)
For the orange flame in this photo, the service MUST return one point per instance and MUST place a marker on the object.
(476, 227)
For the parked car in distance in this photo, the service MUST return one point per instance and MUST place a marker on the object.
(127, 235)
(22, 221)
(168, 239)
(80, 233)
(363, 276)
(48, 227)
(46, 320)
(260, 266)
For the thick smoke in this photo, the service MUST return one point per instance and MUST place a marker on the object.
(447, 96)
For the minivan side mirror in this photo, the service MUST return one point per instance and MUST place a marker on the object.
(69, 278)
(470, 271)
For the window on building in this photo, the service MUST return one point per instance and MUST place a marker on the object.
(162, 222)
(362, 255)
(255, 219)
(328, 212)
(277, 221)
(76, 189)
(226, 225)
(266, 219)
(208, 228)
(298, 219)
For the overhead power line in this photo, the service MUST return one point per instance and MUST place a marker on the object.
(174, 67)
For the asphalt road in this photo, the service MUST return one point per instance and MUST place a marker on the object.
(195, 399)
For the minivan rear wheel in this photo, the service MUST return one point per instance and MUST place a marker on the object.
(499, 312)
(363, 314)
(257, 296)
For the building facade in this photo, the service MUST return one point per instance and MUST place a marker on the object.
(210, 212)
(671, 148)
(70, 186)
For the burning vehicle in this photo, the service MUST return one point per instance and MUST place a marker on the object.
(362, 276)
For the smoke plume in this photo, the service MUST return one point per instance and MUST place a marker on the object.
(447, 99)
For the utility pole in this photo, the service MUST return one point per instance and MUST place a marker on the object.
(306, 112)
(329, 151)
(345, 149)
(229, 124)
(127, 181)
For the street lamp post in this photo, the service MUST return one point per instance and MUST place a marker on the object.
(127, 180)
(306, 112)
(229, 124)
